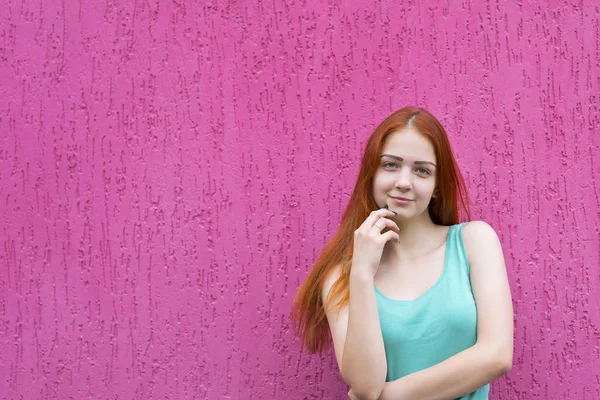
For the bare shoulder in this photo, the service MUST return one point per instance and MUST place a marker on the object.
(477, 228)
(479, 239)
(329, 281)
(477, 232)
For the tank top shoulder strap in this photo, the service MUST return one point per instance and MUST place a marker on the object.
(457, 255)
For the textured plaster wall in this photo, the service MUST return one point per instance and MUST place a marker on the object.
(170, 170)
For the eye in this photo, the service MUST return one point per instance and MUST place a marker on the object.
(388, 164)
(423, 171)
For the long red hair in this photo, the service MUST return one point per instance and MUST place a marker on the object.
(308, 310)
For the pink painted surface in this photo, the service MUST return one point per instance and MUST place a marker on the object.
(169, 172)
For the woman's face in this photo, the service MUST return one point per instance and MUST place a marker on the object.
(406, 177)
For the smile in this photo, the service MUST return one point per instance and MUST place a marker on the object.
(401, 200)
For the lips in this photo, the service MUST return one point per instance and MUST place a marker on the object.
(401, 198)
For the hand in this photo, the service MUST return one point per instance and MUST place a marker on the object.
(369, 241)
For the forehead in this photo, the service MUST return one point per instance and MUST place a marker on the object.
(410, 145)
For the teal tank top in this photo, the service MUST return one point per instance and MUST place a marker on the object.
(440, 323)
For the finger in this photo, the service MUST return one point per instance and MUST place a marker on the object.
(383, 223)
(375, 215)
(390, 235)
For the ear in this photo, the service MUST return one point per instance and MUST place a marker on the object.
(436, 193)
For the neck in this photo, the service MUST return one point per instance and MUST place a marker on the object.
(416, 236)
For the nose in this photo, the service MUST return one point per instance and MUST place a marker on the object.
(403, 180)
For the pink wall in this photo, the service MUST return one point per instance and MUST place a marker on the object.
(169, 172)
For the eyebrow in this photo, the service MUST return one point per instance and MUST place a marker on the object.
(402, 159)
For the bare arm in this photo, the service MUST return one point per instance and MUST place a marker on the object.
(356, 332)
(491, 356)
(364, 360)
(457, 376)
(357, 338)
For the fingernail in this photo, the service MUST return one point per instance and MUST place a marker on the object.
(386, 206)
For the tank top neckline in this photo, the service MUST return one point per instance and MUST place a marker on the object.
(429, 291)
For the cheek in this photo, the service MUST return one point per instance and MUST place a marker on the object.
(381, 181)
(426, 187)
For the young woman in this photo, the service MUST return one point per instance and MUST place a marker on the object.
(418, 305)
